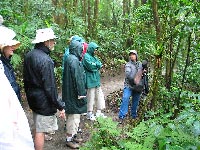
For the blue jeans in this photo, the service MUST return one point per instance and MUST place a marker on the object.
(127, 93)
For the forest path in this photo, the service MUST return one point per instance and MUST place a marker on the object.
(109, 83)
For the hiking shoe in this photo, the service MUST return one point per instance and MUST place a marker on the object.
(77, 138)
(84, 114)
(47, 137)
(120, 120)
(52, 132)
(72, 144)
(100, 115)
(79, 130)
(91, 116)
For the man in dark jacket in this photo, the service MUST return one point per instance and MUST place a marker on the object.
(74, 92)
(40, 86)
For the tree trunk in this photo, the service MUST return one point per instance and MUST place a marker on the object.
(157, 64)
(168, 74)
(125, 9)
(156, 20)
(96, 10)
(136, 3)
(124, 13)
(143, 1)
(61, 18)
(89, 21)
(187, 61)
(84, 14)
(114, 16)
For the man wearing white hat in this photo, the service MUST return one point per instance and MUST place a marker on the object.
(7, 47)
(40, 86)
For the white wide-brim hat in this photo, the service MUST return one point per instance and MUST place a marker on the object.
(6, 33)
(14, 43)
(6, 38)
(43, 35)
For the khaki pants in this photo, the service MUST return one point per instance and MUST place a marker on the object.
(73, 121)
(95, 98)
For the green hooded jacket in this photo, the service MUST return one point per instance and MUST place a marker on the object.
(74, 81)
(92, 65)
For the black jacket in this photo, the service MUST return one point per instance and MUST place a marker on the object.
(39, 81)
(9, 72)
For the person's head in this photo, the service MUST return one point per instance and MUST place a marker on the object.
(76, 49)
(7, 44)
(77, 38)
(8, 48)
(133, 55)
(92, 48)
(45, 36)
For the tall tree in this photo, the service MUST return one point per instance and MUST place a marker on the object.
(89, 19)
(158, 56)
(95, 21)
(60, 18)
(84, 6)
(143, 1)
(136, 3)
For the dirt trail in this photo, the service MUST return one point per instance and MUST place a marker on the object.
(110, 83)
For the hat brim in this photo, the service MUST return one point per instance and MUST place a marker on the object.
(35, 41)
(14, 43)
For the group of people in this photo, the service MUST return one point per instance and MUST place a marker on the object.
(81, 87)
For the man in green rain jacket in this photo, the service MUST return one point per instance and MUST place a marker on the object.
(74, 92)
(95, 95)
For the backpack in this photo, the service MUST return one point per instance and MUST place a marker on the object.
(138, 84)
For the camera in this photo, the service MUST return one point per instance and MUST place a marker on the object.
(144, 65)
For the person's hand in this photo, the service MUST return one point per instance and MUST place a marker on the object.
(81, 97)
(62, 114)
(145, 71)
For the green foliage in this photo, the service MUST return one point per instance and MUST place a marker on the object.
(16, 60)
(159, 133)
(178, 19)
(106, 135)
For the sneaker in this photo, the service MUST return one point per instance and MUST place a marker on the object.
(79, 130)
(52, 133)
(47, 137)
(91, 116)
(84, 114)
(120, 120)
(100, 115)
(72, 144)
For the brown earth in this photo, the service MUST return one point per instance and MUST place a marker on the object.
(110, 83)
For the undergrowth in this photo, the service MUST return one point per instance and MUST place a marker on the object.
(159, 133)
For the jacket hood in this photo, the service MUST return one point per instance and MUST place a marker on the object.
(91, 47)
(77, 38)
(76, 49)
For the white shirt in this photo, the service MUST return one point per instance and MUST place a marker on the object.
(14, 128)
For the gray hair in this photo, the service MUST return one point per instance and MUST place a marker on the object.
(1, 20)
